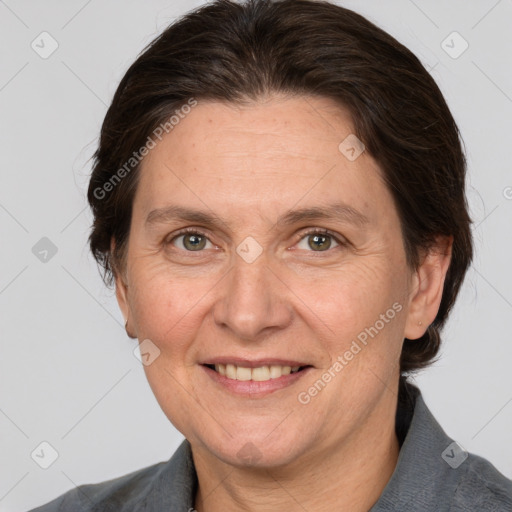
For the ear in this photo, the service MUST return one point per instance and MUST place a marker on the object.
(427, 286)
(122, 294)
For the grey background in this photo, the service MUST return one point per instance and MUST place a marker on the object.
(68, 375)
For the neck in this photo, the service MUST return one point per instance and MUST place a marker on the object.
(350, 475)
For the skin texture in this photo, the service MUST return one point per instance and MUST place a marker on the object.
(248, 165)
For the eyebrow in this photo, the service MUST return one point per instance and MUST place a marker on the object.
(335, 211)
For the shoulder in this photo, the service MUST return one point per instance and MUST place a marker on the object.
(118, 494)
(481, 487)
(167, 485)
(434, 472)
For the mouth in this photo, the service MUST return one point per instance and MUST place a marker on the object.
(249, 372)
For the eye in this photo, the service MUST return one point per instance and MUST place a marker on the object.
(192, 240)
(320, 239)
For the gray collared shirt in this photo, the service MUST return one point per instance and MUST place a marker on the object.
(432, 474)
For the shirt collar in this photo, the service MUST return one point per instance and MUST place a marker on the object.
(414, 484)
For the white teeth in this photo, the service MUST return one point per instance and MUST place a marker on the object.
(230, 371)
(286, 370)
(261, 373)
(243, 373)
(275, 372)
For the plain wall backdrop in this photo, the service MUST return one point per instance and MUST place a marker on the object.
(68, 375)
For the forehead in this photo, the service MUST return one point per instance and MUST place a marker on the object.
(270, 154)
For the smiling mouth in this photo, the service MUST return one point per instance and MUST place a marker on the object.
(260, 373)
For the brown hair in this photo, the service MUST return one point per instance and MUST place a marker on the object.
(235, 52)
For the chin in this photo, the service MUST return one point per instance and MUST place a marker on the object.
(246, 451)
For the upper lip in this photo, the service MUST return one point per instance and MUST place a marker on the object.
(253, 363)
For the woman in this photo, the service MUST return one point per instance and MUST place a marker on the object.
(278, 196)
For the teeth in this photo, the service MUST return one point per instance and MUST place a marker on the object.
(230, 371)
(275, 372)
(243, 373)
(261, 373)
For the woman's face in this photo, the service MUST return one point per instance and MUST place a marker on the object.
(251, 286)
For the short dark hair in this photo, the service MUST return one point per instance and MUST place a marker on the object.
(238, 52)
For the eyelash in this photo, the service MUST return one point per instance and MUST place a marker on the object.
(312, 231)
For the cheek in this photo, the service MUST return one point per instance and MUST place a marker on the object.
(364, 302)
(357, 291)
(163, 317)
(169, 308)
(160, 297)
(165, 310)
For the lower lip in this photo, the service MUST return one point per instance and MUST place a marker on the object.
(255, 388)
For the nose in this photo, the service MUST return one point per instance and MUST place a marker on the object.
(254, 301)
